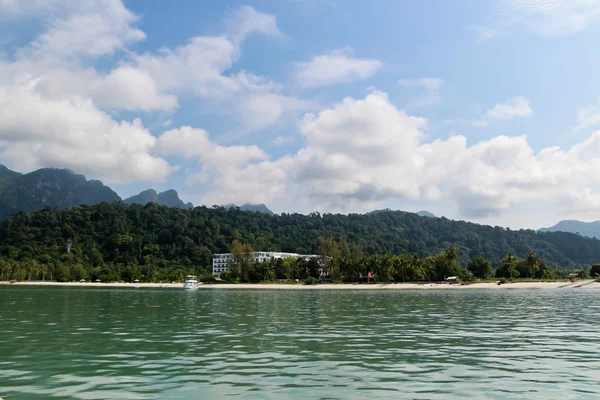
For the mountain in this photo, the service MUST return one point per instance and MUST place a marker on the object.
(51, 187)
(424, 213)
(589, 229)
(145, 197)
(169, 198)
(6, 173)
(261, 208)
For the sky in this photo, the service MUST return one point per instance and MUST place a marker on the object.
(486, 111)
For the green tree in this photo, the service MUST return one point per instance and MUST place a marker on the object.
(481, 268)
(243, 259)
(595, 271)
(508, 267)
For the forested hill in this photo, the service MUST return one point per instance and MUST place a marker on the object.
(119, 236)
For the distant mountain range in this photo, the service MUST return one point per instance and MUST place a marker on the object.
(261, 208)
(51, 187)
(62, 188)
(589, 229)
(170, 198)
(424, 213)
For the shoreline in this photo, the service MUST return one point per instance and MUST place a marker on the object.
(583, 284)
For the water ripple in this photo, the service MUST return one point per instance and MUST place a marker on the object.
(78, 343)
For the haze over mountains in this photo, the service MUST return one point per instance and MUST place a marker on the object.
(63, 188)
(589, 229)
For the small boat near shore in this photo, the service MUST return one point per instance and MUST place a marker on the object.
(190, 283)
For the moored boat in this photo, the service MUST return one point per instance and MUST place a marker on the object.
(190, 283)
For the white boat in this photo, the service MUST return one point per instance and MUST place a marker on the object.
(190, 283)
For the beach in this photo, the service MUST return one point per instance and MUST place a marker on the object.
(583, 284)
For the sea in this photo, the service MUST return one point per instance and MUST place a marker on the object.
(128, 343)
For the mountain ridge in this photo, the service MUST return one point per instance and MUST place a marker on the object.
(63, 188)
(169, 198)
(49, 187)
(589, 229)
(261, 208)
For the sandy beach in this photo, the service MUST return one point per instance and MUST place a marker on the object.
(582, 284)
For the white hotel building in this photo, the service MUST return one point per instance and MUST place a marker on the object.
(223, 261)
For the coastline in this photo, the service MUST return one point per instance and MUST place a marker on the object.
(583, 284)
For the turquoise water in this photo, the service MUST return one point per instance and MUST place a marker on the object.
(92, 343)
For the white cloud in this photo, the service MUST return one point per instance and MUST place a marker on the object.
(229, 172)
(202, 68)
(127, 88)
(150, 81)
(52, 101)
(201, 64)
(339, 66)
(587, 118)
(40, 132)
(556, 17)
(363, 153)
(430, 85)
(87, 28)
(512, 108)
(262, 110)
(196, 143)
(516, 107)
(543, 17)
(246, 20)
(357, 155)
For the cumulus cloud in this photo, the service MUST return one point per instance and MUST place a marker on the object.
(240, 173)
(246, 20)
(86, 28)
(338, 66)
(196, 143)
(52, 101)
(54, 104)
(202, 68)
(354, 156)
(38, 132)
(362, 153)
(512, 108)
(127, 88)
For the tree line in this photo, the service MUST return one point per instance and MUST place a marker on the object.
(340, 262)
(113, 241)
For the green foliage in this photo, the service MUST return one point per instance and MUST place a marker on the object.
(310, 281)
(595, 271)
(481, 268)
(156, 243)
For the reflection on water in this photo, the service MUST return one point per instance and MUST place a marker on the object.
(83, 343)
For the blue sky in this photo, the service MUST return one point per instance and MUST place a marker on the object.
(484, 111)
